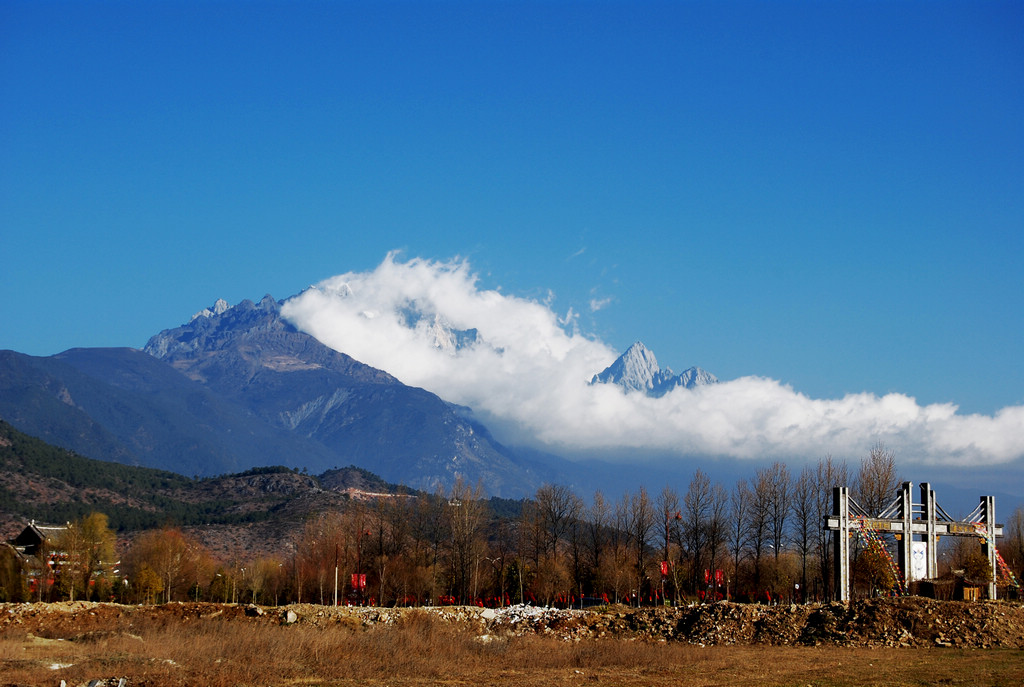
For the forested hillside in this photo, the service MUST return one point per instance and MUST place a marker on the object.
(49, 484)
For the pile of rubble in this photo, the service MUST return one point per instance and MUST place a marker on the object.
(906, 622)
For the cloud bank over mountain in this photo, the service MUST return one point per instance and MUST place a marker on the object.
(520, 365)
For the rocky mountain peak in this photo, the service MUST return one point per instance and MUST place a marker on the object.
(218, 308)
(637, 370)
(214, 327)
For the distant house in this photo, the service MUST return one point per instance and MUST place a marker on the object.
(31, 543)
(37, 556)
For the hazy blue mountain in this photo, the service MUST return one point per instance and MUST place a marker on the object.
(123, 405)
(362, 415)
(237, 387)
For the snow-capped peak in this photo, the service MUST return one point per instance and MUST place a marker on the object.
(219, 307)
(637, 370)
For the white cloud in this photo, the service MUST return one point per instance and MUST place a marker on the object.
(529, 370)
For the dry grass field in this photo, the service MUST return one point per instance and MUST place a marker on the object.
(420, 649)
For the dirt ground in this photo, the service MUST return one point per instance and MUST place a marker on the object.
(906, 641)
(895, 622)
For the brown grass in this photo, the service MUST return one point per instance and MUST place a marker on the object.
(421, 650)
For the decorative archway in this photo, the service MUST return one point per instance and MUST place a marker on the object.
(917, 527)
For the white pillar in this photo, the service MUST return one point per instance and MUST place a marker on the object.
(906, 543)
(988, 549)
(932, 539)
(841, 509)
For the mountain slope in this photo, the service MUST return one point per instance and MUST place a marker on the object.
(361, 415)
(121, 404)
(36, 396)
(238, 387)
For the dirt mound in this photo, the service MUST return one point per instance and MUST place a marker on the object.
(904, 622)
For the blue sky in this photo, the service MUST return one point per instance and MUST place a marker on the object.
(830, 195)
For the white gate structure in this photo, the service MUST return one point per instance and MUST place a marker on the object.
(917, 527)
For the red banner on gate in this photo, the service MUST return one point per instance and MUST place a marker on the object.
(358, 581)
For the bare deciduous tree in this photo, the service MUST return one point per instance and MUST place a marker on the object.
(780, 494)
(668, 507)
(740, 504)
(576, 538)
(641, 522)
(596, 527)
(696, 507)
(804, 520)
(466, 513)
(554, 504)
(1012, 548)
(671, 515)
(759, 530)
(718, 523)
(877, 480)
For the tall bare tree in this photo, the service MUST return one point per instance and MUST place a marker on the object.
(740, 502)
(641, 523)
(670, 513)
(718, 524)
(877, 479)
(759, 522)
(576, 542)
(805, 523)
(428, 529)
(780, 486)
(555, 504)
(466, 514)
(597, 526)
(696, 507)
(1012, 548)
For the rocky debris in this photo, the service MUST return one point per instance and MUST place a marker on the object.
(900, 622)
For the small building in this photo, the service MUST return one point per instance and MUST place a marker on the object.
(32, 540)
(37, 557)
